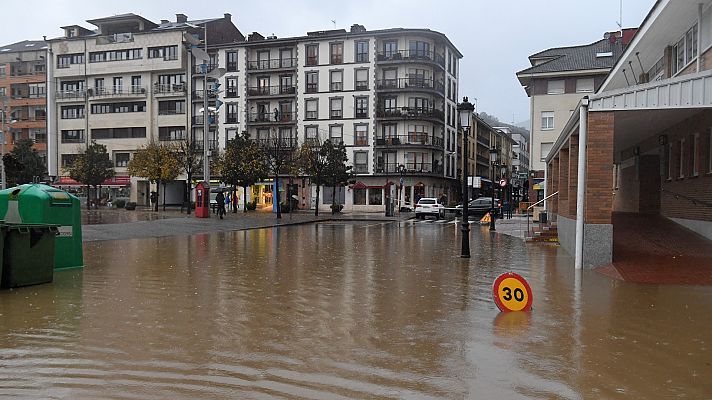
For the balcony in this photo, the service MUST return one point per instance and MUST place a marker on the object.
(29, 122)
(483, 160)
(231, 93)
(271, 91)
(231, 119)
(408, 113)
(115, 38)
(484, 140)
(417, 168)
(199, 94)
(198, 120)
(271, 118)
(201, 69)
(286, 143)
(413, 139)
(70, 95)
(24, 77)
(271, 64)
(117, 91)
(414, 84)
(212, 145)
(167, 89)
(418, 56)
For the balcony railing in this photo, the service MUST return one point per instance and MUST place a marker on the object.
(410, 83)
(411, 139)
(231, 93)
(167, 88)
(286, 143)
(271, 90)
(411, 55)
(410, 167)
(360, 169)
(212, 144)
(279, 117)
(70, 94)
(411, 113)
(198, 94)
(168, 138)
(29, 118)
(116, 91)
(272, 64)
(198, 120)
(231, 119)
(40, 138)
(115, 38)
(201, 69)
(483, 139)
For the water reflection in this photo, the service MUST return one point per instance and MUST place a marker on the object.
(334, 311)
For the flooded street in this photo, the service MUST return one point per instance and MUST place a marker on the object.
(344, 311)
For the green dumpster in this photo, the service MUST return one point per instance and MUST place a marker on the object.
(42, 204)
(2, 245)
(28, 254)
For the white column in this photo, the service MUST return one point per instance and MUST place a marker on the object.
(581, 182)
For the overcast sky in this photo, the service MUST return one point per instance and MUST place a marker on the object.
(495, 36)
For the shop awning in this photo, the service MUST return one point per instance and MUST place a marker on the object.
(118, 180)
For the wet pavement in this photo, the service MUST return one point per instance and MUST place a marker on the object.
(347, 310)
(653, 249)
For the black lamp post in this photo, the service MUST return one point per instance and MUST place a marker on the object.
(493, 160)
(465, 110)
(504, 189)
(401, 171)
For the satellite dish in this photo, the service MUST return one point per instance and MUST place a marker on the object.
(199, 54)
(216, 73)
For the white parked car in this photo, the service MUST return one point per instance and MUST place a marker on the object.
(429, 206)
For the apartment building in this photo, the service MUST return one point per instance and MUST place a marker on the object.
(123, 84)
(388, 95)
(23, 93)
(557, 79)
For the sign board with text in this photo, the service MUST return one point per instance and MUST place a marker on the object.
(511, 292)
(474, 182)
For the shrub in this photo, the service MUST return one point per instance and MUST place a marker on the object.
(130, 205)
(120, 203)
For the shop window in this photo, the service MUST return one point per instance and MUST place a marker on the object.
(375, 197)
(359, 197)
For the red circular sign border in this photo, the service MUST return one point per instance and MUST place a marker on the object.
(498, 281)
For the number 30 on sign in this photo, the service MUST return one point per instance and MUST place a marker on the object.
(511, 292)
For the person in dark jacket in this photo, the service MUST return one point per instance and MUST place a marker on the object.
(220, 199)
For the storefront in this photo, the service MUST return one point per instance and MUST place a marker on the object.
(118, 187)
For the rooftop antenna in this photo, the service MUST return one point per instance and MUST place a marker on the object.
(334, 22)
(620, 20)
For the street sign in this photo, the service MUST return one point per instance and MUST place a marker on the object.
(503, 182)
(401, 181)
(511, 292)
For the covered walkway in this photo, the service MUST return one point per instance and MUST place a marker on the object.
(653, 249)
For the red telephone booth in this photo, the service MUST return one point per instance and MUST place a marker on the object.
(202, 200)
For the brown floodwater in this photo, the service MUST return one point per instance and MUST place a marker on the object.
(347, 311)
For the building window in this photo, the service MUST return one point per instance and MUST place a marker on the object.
(359, 196)
(336, 80)
(361, 135)
(584, 85)
(165, 52)
(115, 55)
(68, 159)
(361, 107)
(166, 133)
(390, 105)
(361, 79)
(390, 49)
(336, 134)
(547, 120)
(231, 61)
(362, 51)
(389, 131)
(556, 87)
(311, 133)
(171, 107)
(695, 157)
(232, 115)
(361, 163)
(72, 112)
(119, 133)
(681, 164)
(336, 108)
(312, 54)
(67, 60)
(336, 53)
(312, 109)
(121, 160)
(375, 197)
(685, 50)
(231, 87)
(118, 85)
(112, 108)
(545, 149)
(73, 136)
(312, 82)
(285, 58)
(418, 49)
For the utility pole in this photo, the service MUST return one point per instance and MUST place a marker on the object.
(206, 126)
(2, 158)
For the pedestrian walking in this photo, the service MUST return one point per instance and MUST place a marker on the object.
(220, 200)
(227, 202)
(443, 199)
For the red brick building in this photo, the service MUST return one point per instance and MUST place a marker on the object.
(648, 137)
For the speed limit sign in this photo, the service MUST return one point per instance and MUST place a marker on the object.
(511, 292)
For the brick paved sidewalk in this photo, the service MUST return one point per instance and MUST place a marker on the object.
(653, 249)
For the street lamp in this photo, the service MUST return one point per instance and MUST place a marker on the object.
(493, 161)
(503, 189)
(401, 171)
(465, 110)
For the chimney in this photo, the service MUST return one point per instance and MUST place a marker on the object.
(181, 18)
(165, 21)
(355, 28)
(227, 16)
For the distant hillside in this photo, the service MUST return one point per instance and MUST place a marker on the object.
(494, 121)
